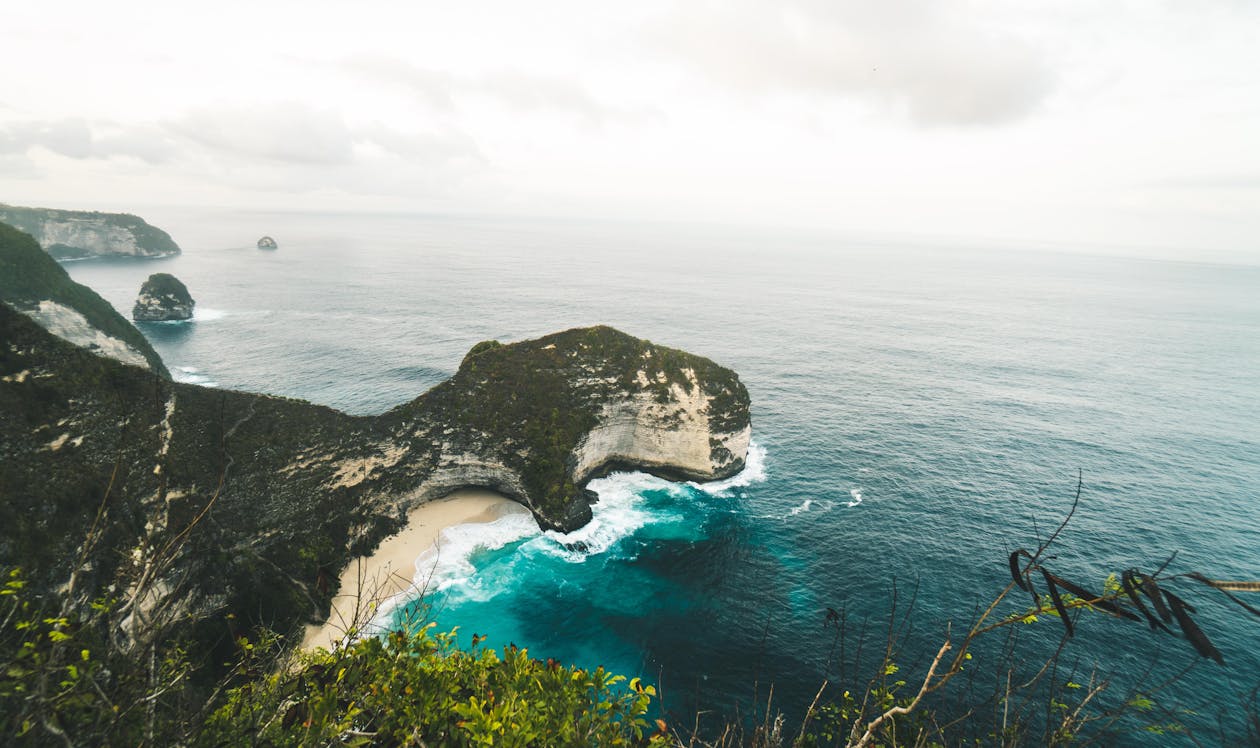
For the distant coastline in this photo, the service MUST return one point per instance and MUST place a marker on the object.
(70, 235)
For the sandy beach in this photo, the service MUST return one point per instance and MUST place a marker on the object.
(368, 582)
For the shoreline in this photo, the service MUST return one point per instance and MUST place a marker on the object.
(369, 582)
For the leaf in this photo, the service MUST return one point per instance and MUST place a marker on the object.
(1224, 587)
(1016, 576)
(1093, 600)
(1192, 630)
(1058, 602)
(1023, 578)
(1131, 589)
(1152, 591)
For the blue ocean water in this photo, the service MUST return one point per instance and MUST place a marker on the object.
(919, 410)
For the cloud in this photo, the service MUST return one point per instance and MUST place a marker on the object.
(433, 87)
(284, 132)
(908, 55)
(516, 90)
(17, 166)
(297, 134)
(284, 147)
(77, 138)
(1234, 181)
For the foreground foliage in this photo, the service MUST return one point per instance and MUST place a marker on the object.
(420, 689)
(75, 671)
(64, 680)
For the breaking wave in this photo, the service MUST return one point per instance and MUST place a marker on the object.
(192, 375)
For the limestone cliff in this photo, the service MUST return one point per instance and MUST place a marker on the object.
(265, 499)
(75, 234)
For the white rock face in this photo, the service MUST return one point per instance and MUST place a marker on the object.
(68, 324)
(79, 234)
(674, 437)
(94, 235)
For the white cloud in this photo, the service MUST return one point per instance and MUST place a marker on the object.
(907, 55)
(514, 89)
(1128, 121)
(285, 132)
(78, 139)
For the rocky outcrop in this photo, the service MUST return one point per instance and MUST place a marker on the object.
(265, 499)
(554, 413)
(74, 234)
(267, 243)
(163, 298)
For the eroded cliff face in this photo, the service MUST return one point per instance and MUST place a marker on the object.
(674, 437)
(264, 500)
(72, 234)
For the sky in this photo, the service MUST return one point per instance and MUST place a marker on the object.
(1128, 123)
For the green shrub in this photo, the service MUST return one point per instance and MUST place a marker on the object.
(421, 689)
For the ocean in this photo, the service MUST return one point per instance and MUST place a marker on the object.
(920, 409)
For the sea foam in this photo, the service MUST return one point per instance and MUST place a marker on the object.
(754, 472)
(804, 507)
(192, 375)
(620, 512)
(449, 561)
(201, 314)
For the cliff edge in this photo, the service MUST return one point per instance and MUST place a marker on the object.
(78, 234)
(253, 504)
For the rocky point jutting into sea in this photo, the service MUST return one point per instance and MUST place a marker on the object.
(81, 234)
(251, 504)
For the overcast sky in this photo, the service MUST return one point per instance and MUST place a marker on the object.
(1126, 122)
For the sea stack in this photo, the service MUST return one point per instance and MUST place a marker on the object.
(163, 297)
(267, 243)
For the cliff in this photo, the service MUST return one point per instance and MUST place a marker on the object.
(270, 497)
(31, 282)
(75, 234)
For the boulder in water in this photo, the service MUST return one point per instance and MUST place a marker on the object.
(163, 297)
(267, 243)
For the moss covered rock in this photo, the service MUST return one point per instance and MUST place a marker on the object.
(163, 298)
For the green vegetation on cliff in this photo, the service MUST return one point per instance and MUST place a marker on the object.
(28, 276)
(548, 394)
(66, 678)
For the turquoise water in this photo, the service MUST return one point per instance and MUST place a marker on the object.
(919, 411)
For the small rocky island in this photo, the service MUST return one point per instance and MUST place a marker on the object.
(163, 298)
(267, 243)
(80, 234)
